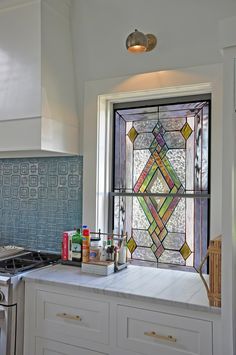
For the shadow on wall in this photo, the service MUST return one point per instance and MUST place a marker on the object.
(39, 199)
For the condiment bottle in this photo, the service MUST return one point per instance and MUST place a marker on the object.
(85, 245)
(103, 255)
(77, 240)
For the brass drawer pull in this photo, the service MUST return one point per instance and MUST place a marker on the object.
(68, 316)
(161, 337)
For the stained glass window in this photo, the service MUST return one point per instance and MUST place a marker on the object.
(161, 181)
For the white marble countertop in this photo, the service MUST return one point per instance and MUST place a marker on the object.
(169, 287)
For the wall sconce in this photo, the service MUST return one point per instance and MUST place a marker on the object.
(138, 42)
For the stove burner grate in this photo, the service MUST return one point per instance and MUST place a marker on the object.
(27, 261)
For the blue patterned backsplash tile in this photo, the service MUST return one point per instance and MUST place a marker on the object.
(39, 199)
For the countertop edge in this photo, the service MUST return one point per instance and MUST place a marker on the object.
(126, 295)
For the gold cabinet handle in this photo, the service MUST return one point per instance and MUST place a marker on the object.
(68, 316)
(161, 337)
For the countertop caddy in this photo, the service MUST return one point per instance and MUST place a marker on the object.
(137, 311)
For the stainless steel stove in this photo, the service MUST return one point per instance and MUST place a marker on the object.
(14, 263)
(25, 261)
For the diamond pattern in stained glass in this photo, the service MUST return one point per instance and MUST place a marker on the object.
(185, 251)
(156, 240)
(159, 251)
(132, 134)
(158, 183)
(186, 131)
(163, 156)
(154, 248)
(131, 245)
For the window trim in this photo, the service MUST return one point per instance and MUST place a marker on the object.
(105, 137)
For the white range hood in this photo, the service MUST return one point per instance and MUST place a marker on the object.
(37, 91)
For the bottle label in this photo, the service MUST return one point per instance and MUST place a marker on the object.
(76, 247)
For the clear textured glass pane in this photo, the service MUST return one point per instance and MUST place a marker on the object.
(173, 124)
(142, 238)
(171, 257)
(139, 219)
(145, 126)
(143, 254)
(174, 241)
(143, 140)
(128, 215)
(116, 214)
(158, 184)
(174, 140)
(176, 222)
(177, 159)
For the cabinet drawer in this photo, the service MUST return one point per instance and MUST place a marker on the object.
(62, 317)
(49, 347)
(153, 333)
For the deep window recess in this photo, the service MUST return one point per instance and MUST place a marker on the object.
(161, 192)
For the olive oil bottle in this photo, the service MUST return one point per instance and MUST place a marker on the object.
(77, 246)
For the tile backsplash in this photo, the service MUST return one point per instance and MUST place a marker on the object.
(39, 199)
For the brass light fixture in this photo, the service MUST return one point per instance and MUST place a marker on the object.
(138, 42)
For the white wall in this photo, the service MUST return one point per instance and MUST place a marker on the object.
(187, 32)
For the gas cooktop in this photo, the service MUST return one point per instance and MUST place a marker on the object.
(27, 260)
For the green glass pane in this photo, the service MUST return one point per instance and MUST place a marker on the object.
(171, 172)
(145, 209)
(165, 206)
(148, 178)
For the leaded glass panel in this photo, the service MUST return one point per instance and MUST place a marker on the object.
(163, 150)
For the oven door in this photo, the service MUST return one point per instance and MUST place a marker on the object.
(7, 332)
(3, 332)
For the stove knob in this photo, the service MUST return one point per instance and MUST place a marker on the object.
(2, 296)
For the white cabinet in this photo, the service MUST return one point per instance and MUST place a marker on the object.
(38, 113)
(48, 347)
(71, 318)
(162, 333)
(60, 320)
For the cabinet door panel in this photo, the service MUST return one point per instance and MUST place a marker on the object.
(48, 347)
(71, 318)
(20, 91)
(152, 333)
